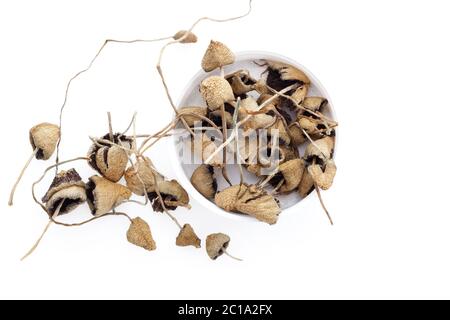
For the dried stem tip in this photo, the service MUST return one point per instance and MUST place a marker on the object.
(140, 234)
(216, 245)
(103, 195)
(67, 188)
(216, 56)
(44, 137)
(187, 237)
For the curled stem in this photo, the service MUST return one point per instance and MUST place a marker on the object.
(232, 257)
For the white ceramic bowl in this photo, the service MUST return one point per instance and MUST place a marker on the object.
(192, 97)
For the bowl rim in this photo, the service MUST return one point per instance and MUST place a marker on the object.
(175, 159)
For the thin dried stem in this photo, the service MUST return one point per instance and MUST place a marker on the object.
(232, 257)
(79, 224)
(110, 128)
(224, 154)
(322, 203)
(13, 190)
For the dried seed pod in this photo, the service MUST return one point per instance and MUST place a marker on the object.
(190, 38)
(291, 172)
(191, 119)
(241, 82)
(323, 177)
(216, 91)
(142, 174)
(173, 196)
(314, 103)
(217, 244)
(203, 180)
(216, 56)
(250, 200)
(306, 185)
(110, 160)
(44, 138)
(139, 234)
(187, 237)
(67, 188)
(321, 149)
(104, 195)
(279, 128)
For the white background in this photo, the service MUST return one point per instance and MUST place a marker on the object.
(386, 66)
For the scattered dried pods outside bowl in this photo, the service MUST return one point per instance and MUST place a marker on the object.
(192, 97)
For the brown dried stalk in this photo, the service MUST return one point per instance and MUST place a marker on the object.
(13, 190)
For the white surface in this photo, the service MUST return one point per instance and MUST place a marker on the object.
(191, 97)
(385, 65)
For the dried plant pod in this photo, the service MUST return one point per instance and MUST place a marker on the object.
(241, 82)
(139, 234)
(173, 196)
(217, 244)
(141, 178)
(306, 185)
(249, 200)
(187, 237)
(44, 137)
(314, 103)
(291, 172)
(203, 180)
(191, 119)
(110, 160)
(216, 91)
(190, 38)
(103, 195)
(323, 177)
(67, 188)
(321, 149)
(217, 55)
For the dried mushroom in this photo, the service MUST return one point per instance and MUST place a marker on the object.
(203, 180)
(314, 103)
(43, 139)
(189, 38)
(291, 172)
(140, 178)
(216, 56)
(103, 195)
(173, 196)
(140, 235)
(249, 200)
(320, 150)
(306, 185)
(110, 160)
(241, 82)
(187, 237)
(66, 192)
(216, 91)
(323, 175)
(188, 116)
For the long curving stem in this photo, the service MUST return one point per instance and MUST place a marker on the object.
(13, 190)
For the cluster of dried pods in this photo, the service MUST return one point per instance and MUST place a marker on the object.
(279, 103)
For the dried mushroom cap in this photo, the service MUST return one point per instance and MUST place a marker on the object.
(44, 137)
(288, 73)
(216, 56)
(323, 178)
(249, 200)
(67, 188)
(139, 234)
(173, 196)
(292, 173)
(216, 91)
(203, 180)
(187, 237)
(279, 128)
(321, 149)
(104, 195)
(299, 94)
(110, 160)
(258, 121)
(191, 119)
(296, 133)
(241, 82)
(306, 185)
(314, 103)
(190, 38)
(142, 174)
(216, 117)
(216, 245)
(208, 148)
